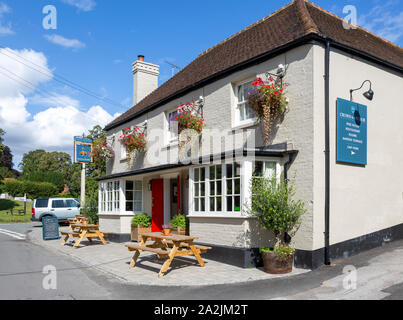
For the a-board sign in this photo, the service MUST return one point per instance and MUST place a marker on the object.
(82, 150)
(50, 228)
(352, 124)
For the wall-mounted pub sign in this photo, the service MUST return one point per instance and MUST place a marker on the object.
(351, 132)
(82, 150)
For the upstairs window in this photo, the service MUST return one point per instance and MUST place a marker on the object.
(172, 126)
(243, 111)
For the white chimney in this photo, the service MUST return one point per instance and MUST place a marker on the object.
(145, 76)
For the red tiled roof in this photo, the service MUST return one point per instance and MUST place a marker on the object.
(292, 22)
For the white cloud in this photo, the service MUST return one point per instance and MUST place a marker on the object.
(64, 42)
(52, 129)
(10, 69)
(54, 99)
(5, 29)
(83, 5)
(384, 21)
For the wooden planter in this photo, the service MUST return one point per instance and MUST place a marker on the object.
(273, 265)
(137, 231)
(180, 231)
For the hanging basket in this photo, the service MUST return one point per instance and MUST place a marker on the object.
(131, 158)
(187, 141)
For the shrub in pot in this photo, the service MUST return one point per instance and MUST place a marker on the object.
(179, 225)
(276, 210)
(141, 223)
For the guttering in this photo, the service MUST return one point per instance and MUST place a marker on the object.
(204, 160)
(327, 153)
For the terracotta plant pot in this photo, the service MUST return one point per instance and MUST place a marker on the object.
(272, 264)
(166, 232)
(137, 231)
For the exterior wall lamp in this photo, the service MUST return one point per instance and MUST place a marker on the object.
(368, 94)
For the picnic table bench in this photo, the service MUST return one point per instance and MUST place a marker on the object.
(167, 247)
(20, 212)
(82, 231)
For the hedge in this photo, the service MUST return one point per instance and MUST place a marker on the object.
(34, 190)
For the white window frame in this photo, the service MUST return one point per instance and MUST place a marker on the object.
(109, 200)
(171, 137)
(237, 119)
(224, 212)
(124, 196)
(246, 171)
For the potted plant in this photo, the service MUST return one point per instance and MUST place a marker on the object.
(268, 101)
(179, 225)
(135, 142)
(274, 207)
(166, 229)
(141, 223)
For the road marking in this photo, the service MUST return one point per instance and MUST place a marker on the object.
(13, 234)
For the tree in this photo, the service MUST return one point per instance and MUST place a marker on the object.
(6, 158)
(42, 161)
(6, 173)
(2, 133)
(30, 161)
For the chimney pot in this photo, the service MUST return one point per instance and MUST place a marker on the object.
(141, 58)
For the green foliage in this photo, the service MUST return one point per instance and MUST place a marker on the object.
(6, 158)
(141, 220)
(66, 196)
(179, 222)
(53, 177)
(34, 190)
(7, 204)
(282, 252)
(2, 133)
(90, 208)
(273, 206)
(2, 187)
(6, 173)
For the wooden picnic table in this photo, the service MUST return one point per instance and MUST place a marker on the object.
(167, 247)
(82, 231)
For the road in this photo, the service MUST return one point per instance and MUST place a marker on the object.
(379, 276)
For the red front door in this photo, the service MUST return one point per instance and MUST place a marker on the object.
(157, 205)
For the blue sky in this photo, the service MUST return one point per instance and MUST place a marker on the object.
(97, 40)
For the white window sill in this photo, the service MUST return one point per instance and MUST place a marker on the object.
(229, 215)
(245, 124)
(172, 144)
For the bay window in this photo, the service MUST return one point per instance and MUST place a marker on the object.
(217, 188)
(109, 196)
(134, 196)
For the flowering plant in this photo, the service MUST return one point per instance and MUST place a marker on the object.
(102, 151)
(166, 226)
(268, 101)
(135, 141)
(187, 118)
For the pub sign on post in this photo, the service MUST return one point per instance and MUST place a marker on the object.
(352, 125)
(82, 150)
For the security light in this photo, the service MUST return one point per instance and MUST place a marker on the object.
(368, 94)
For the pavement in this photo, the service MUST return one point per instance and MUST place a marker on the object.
(114, 258)
(374, 274)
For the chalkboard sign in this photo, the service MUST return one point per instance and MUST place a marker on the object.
(50, 228)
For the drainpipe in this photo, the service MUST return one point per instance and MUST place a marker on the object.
(327, 153)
